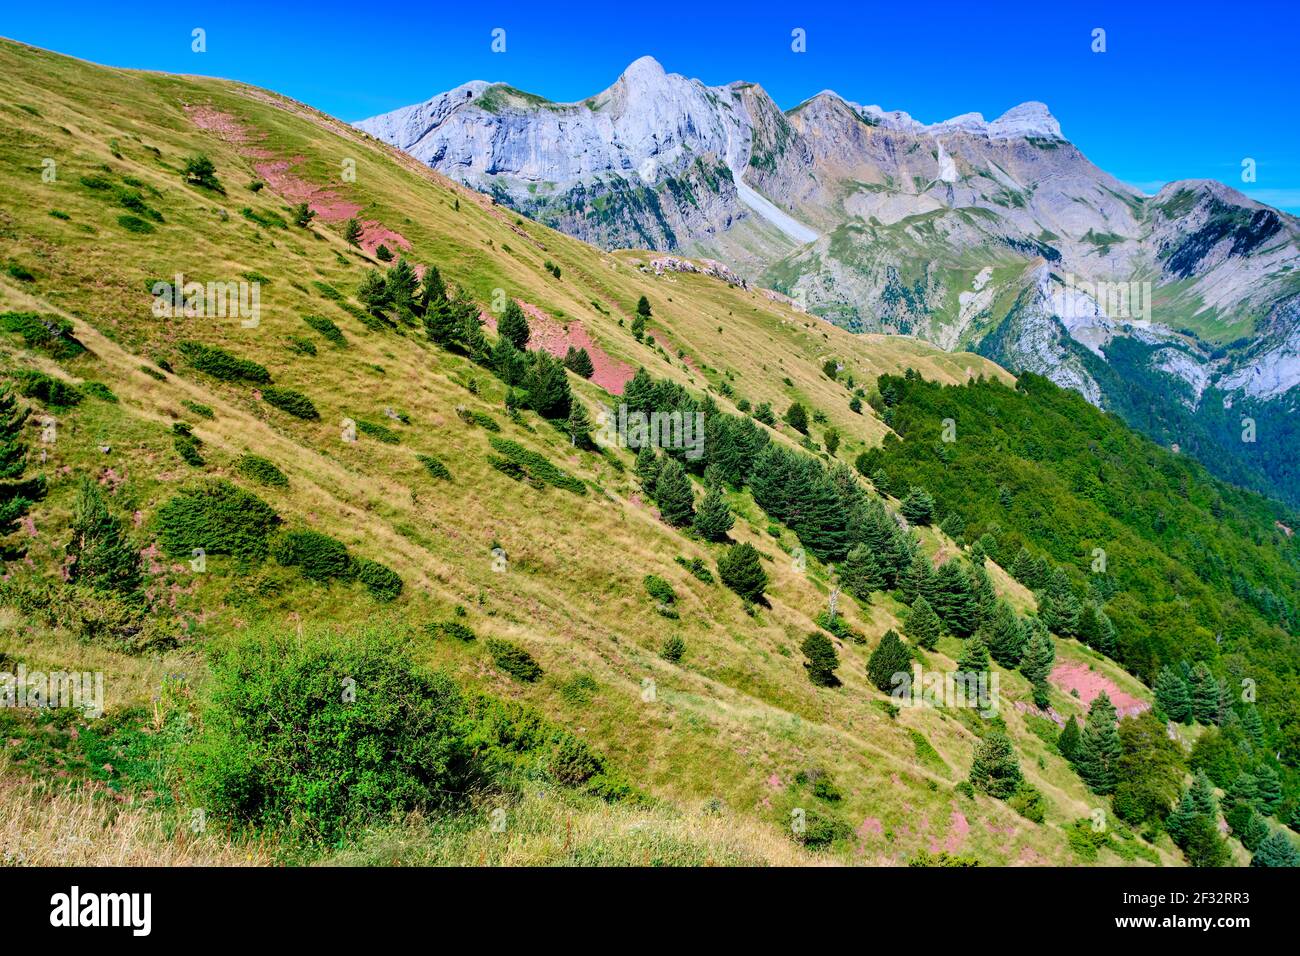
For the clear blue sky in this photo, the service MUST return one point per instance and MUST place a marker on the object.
(1183, 90)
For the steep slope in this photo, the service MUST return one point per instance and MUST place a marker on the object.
(555, 564)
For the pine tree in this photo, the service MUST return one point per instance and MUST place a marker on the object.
(820, 659)
(673, 495)
(922, 626)
(1252, 725)
(918, 506)
(1040, 652)
(1099, 747)
(513, 325)
(103, 557)
(509, 364)
(1205, 694)
(983, 593)
(352, 232)
(1276, 850)
(952, 599)
(643, 307)
(1269, 789)
(797, 418)
(1203, 799)
(1025, 569)
(915, 579)
(713, 519)
(860, 573)
(578, 426)
(579, 362)
(1180, 819)
(441, 320)
(1058, 607)
(646, 468)
(995, 770)
(974, 656)
(373, 291)
(889, 658)
(1006, 636)
(548, 386)
(402, 283)
(1203, 845)
(740, 570)
(1095, 629)
(1068, 742)
(1172, 697)
(16, 495)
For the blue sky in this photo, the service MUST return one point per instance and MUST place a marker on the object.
(1183, 90)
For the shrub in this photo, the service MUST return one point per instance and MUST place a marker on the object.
(318, 556)
(739, 569)
(300, 346)
(697, 567)
(100, 554)
(514, 660)
(134, 224)
(303, 214)
(291, 402)
(54, 392)
(314, 736)
(524, 465)
(326, 328)
(673, 649)
(220, 364)
(43, 333)
(267, 220)
(381, 432)
(200, 171)
(435, 467)
(261, 470)
(383, 583)
(220, 518)
(98, 390)
(203, 411)
(456, 629)
(187, 446)
(1028, 802)
(659, 589)
(995, 770)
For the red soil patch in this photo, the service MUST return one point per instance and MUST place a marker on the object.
(958, 828)
(279, 175)
(871, 827)
(1076, 677)
(546, 333)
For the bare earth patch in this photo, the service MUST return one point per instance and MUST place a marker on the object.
(1073, 676)
(547, 333)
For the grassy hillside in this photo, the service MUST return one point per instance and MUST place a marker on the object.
(733, 738)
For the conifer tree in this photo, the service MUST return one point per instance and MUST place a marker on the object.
(713, 519)
(352, 232)
(578, 426)
(952, 599)
(513, 325)
(918, 506)
(915, 579)
(16, 495)
(995, 770)
(974, 655)
(432, 288)
(1203, 845)
(1269, 789)
(673, 495)
(1203, 799)
(860, 573)
(373, 292)
(1252, 725)
(1040, 652)
(102, 556)
(402, 283)
(1276, 850)
(1179, 820)
(983, 593)
(509, 364)
(646, 468)
(889, 658)
(797, 418)
(820, 660)
(1068, 742)
(740, 570)
(579, 362)
(923, 625)
(1099, 747)
(1095, 629)
(548, 386)
(1172, 697)
(1006, 636)
(1205, 694)
(1058, 607)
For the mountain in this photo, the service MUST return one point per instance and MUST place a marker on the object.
(998, 236)
(362, 587)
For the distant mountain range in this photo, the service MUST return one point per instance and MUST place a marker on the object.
(1180, 312)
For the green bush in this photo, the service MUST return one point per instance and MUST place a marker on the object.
(291, 402)
(54, 392)
(134, 224)
(739, 569)
(261, 470)
(326, 328)
(318, 556)
(220, 364)
(673, 649)
(514, 660)
(220, 518)
(697, 567)
(314, 736)
(203, 411)
(380, 432)
(187, 446)
(459, 631)
(98, 390)
(524, 465)
(300, 346)
(435, 467)
(43, 333)
(383, 583)
(659, 589)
